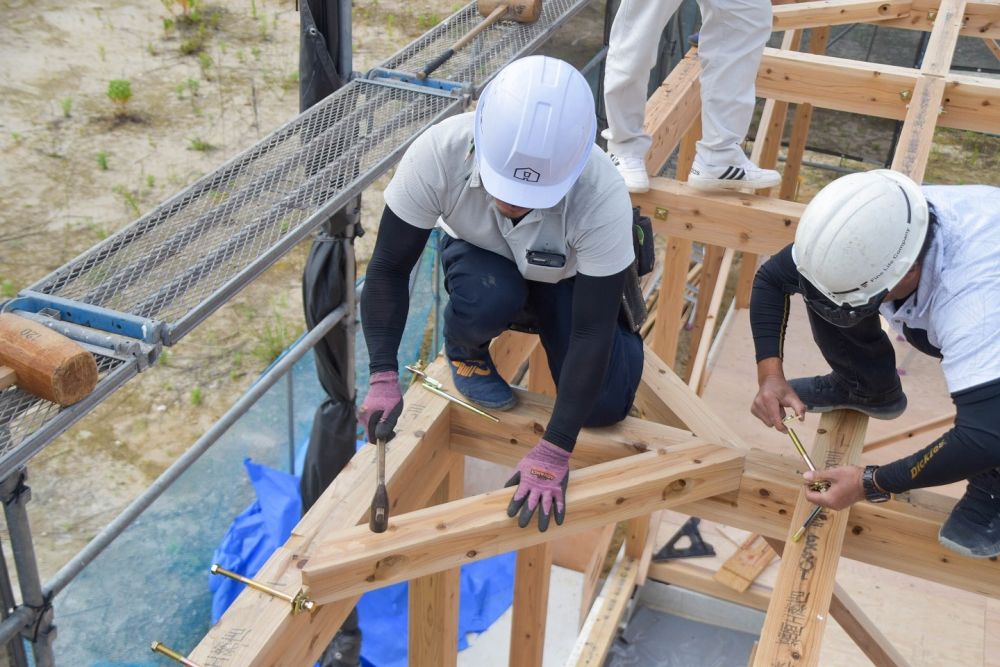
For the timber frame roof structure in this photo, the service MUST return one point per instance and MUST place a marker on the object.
(680, 454)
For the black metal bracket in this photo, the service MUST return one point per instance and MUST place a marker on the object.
(699, 547)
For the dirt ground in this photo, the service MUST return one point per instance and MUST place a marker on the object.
(75, 167)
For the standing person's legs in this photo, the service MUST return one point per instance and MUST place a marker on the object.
(486, 293)
(552, 306)
(632, 49)
(864, 370)
(731, 44)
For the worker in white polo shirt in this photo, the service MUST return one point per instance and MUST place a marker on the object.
(539, 236)
(928, 259)
(730, 45)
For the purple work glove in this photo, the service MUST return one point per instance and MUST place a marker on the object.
(382, 406)
(541, 476)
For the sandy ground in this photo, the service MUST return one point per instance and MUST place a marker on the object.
(75, 168)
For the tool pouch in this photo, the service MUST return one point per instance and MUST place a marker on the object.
(633, 310)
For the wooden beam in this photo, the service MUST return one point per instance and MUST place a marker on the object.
(258, 630)
(690, 575)
(856, 624)
(746, 222)
(982, 19)
(915, 139)
(970, 103)
(711, 269)
(598, 633)
(699, 362)
(433, 600)
(671, 110)
(742, 568)
(539, 377)
(594, 568)
(900, 535)
(665, 399)
(462, 531)
(800, 603)
(531, 599)
(820, 13)
(910, 432)
(992, 45)
(510, 350)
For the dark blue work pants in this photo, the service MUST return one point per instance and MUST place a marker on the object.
(488, 295)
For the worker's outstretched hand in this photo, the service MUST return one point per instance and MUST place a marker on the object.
(541, 479)
(845, 487)
(382, 406)
(773, 396)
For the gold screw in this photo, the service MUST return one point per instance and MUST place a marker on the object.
(905, 94)
(660, 213)
(300, 602)
(157, 647)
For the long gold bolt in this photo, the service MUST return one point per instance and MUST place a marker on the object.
(157, 647)
(435, 387)
(808, 522)
(299, 601)
(819, 484)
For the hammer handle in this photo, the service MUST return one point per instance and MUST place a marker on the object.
(494, 16)
(378, 520)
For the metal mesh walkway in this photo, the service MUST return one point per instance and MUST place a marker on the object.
(156, 279)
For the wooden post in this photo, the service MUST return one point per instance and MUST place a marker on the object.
(531, 599)
(710, 277)
(910, 432)
(539, 377)
(742, 568)
(698, 364)
(433, 603)
(599, 630)
(800, 604)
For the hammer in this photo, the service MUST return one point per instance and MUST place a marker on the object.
(44, 363)
(522, 11)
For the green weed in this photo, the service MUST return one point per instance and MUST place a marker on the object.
(205, 62)
(7, 288)
(274, 339)
(200, 145)
(102, 160)
(131, 203)
(120, 92)
(150, 181)
(196, 396)
(66, 104)
(164, 358)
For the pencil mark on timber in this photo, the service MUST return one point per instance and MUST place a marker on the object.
(226, 646)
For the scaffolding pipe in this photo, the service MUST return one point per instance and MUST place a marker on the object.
(22, 616)
(15, 648)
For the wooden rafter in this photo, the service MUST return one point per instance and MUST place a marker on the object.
(800, 603)
(981, 19)
(445, 536)
(821, 13)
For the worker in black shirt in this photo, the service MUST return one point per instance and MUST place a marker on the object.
(928, 259)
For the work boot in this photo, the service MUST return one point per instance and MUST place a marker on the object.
(480, 382)
(344, 650)
(745, 174)
(973, 528)
(633, 171)
(825, 393)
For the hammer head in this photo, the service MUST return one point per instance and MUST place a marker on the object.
(522, 11)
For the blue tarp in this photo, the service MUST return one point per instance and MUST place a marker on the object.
(485, 592)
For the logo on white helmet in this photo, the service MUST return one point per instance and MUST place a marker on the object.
(526, 174)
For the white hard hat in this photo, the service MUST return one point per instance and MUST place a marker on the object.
(860, 234)
(535, 127)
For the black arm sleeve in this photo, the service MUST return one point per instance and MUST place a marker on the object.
(385, 300)
(972, 446)
(776, 279)
(596, 302)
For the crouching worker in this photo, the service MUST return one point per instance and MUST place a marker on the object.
(928, 259)
(539, 237)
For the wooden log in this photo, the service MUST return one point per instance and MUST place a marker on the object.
(531, 598)
(258, 630)
(800, 603)
(820, 13)
(45, 363)
(462, 531)
(598, 633)
(746, 222)
(742, 568)
(433, 600)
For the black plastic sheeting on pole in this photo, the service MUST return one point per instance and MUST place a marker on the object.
(331, 441)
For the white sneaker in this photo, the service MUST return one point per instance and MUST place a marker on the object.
(633, 170)
(731, 176)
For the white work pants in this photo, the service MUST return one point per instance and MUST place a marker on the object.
(731, 43)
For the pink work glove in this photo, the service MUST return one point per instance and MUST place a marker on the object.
(382, 407)
(541, 477)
